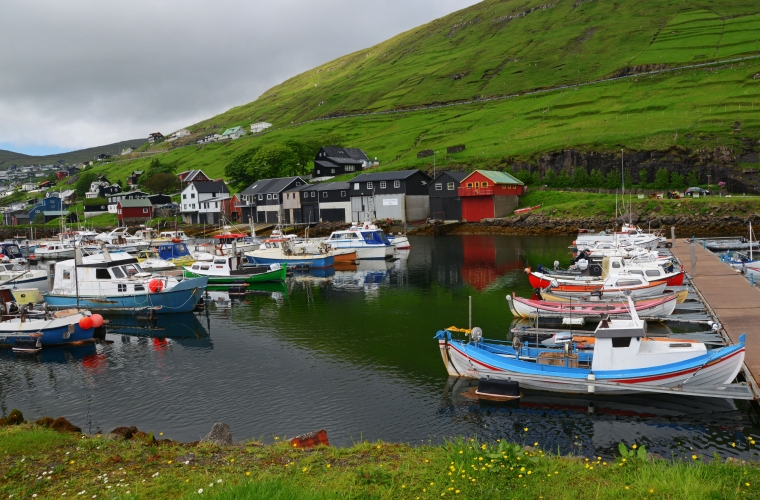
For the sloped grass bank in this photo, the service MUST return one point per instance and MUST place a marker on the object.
(55, 465)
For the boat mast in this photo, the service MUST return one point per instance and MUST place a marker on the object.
(750, 240)
(77, 261)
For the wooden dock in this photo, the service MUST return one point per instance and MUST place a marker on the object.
(734, 302)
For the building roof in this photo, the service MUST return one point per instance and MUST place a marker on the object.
(277, 185)
(335, 153)
(384, 176)
(55, 213)
(127, 193)
(457, 176)
(329, 186)
(136, 203)
(499, 177)
(191, 174)
(232, 130)
(302, 187)
(211, 187)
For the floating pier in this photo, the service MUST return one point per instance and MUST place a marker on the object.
(729, 298)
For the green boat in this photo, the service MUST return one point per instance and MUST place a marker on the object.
(227, 270)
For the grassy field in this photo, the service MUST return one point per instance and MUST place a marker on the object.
(41, 463)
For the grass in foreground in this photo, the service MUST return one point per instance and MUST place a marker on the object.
(50, 465)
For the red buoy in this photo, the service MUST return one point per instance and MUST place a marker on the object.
(85, 323)
(97, 320)
(155, 285)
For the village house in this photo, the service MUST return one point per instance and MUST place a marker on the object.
(331, 161)
(445, 202)
(401, 195)
(233, 133)
(28, 186)
(127, 151)
(326, 202)
(267, 194)
(155, 138)
(178, 135)
(133, 178)
(115, 198)
(291, 204)
(488, 194)
(50, 207)
(133, 211)
(197, 193)
(259, 127)
(159, 199)
(189, 176)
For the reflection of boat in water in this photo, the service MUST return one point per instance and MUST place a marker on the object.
(180, 327)
(63, 354)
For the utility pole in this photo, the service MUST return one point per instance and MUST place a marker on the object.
(622, 169)
(434, 164)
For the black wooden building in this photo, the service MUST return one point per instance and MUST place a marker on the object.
(445, 203)
(326, 202)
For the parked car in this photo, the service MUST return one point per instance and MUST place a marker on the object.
(698, 190)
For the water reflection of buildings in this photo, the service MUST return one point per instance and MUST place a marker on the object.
(484, 262)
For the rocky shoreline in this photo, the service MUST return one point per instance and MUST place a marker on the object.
(544, 224)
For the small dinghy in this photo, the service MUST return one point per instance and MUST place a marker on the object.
(527, 308)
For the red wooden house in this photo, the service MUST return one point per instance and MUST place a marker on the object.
(190, 176)
(487, 194)
(136, 210)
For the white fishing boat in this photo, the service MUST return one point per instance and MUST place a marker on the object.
(150, 261)
(175, 236)
(46, 250)
(368, 241)
(15, 274)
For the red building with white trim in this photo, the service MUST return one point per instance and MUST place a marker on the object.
(488, 194)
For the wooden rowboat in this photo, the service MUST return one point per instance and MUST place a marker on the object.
(527, 209)
(528, 308)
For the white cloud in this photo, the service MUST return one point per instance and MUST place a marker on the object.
(83, 73)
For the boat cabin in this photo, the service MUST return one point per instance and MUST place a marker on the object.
(11, 250)
(172, 235)
(169, 251)
(359, 236)
(101, 274)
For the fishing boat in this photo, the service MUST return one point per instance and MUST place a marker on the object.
(10, 252)
(547, 295)
(18, 275)
(174, 236)
(283, 251)
(237, 242)
(613, 286)
(176, 253)
(106, 282)
(120, 239)
(54, 251)
(368, 242)
(228, 270)
(622, 361)
(597, 272)
(629, 234)
(29, 330)
(529, 308)
(399, 241)
(150, 261)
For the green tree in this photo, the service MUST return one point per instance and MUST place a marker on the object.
(39, 218)
(580, 178)
(629, 180)
(275, 160)
(693, 178)
(536, 178)
(304, 152)
(643, 178)
(241, 171)
(162, 182)
(596, 179)
(564, 180)
(550, 179)
(676, 180)
(612, 180)
(662, 178)
(82, 184)
(522, 174)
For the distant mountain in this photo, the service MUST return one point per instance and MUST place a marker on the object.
(9, 157)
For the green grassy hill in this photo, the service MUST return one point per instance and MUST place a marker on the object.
(510, 48)
(8, 157)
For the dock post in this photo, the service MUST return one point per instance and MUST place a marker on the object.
(673, 234)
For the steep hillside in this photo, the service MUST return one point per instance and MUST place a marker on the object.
(502, 47)
(8, 157)
(551, 69)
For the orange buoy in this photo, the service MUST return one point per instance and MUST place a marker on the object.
(155, 285)
(85, 323)
(97, 320)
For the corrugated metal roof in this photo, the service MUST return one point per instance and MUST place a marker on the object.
(457, 176)
(328, 186)
(136, 203)
(384, 176)
(499, 177)
(56, 213)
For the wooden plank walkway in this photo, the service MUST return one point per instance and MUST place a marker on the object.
(730, 296)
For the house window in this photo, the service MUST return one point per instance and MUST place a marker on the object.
(438, 186)
(275, 196)
(145, 210)
(306, 195)
(485, 184)
(261, 196)
(324, 194)
(184, 196)
(269, 196)
(332, 170)
(216, 204)
(382, 184)
(319, 172)
(342, 194)
(397, 184)
(349, 168)
(192, 195)
(469, 184)
(450, 186)
(312, 194)
(477, 184)
(369, 185)
(356, 185)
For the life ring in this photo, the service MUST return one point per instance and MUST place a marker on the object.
(155, 285)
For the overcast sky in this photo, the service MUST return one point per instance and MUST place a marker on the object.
(82, 73)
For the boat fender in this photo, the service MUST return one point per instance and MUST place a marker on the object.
(97, 320)
(476, 334)
(527, 270)
(85, 323)
(155, 285)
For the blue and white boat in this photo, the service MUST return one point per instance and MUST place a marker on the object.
(106, 282)
(623, 360)
(368, 241)
(176, 253)
(294, 254)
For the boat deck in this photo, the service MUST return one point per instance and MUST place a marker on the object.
(729, 296)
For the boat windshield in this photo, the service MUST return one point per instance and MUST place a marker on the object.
(375, 238)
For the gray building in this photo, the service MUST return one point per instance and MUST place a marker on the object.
(401, 195)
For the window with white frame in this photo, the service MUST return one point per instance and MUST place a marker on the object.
(356, 185)
(369, 185)
(306, 195)
(350, 168)
(324, 194)
(145, 210)
(382, 184)
(397, 184)
(269, 196)
(342, 194)
(261, 196)
(438, 186)
(313, 193)
(450, 186)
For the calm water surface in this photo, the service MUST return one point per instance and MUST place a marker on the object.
(352, 351)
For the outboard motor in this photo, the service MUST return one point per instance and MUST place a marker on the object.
(582, 264)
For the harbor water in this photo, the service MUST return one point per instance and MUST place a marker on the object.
(351, 350)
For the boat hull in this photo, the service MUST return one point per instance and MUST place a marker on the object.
(276, 275)
(59, 331)
(345, 255)
(182, 297)
(317, 262)
(525, 308)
